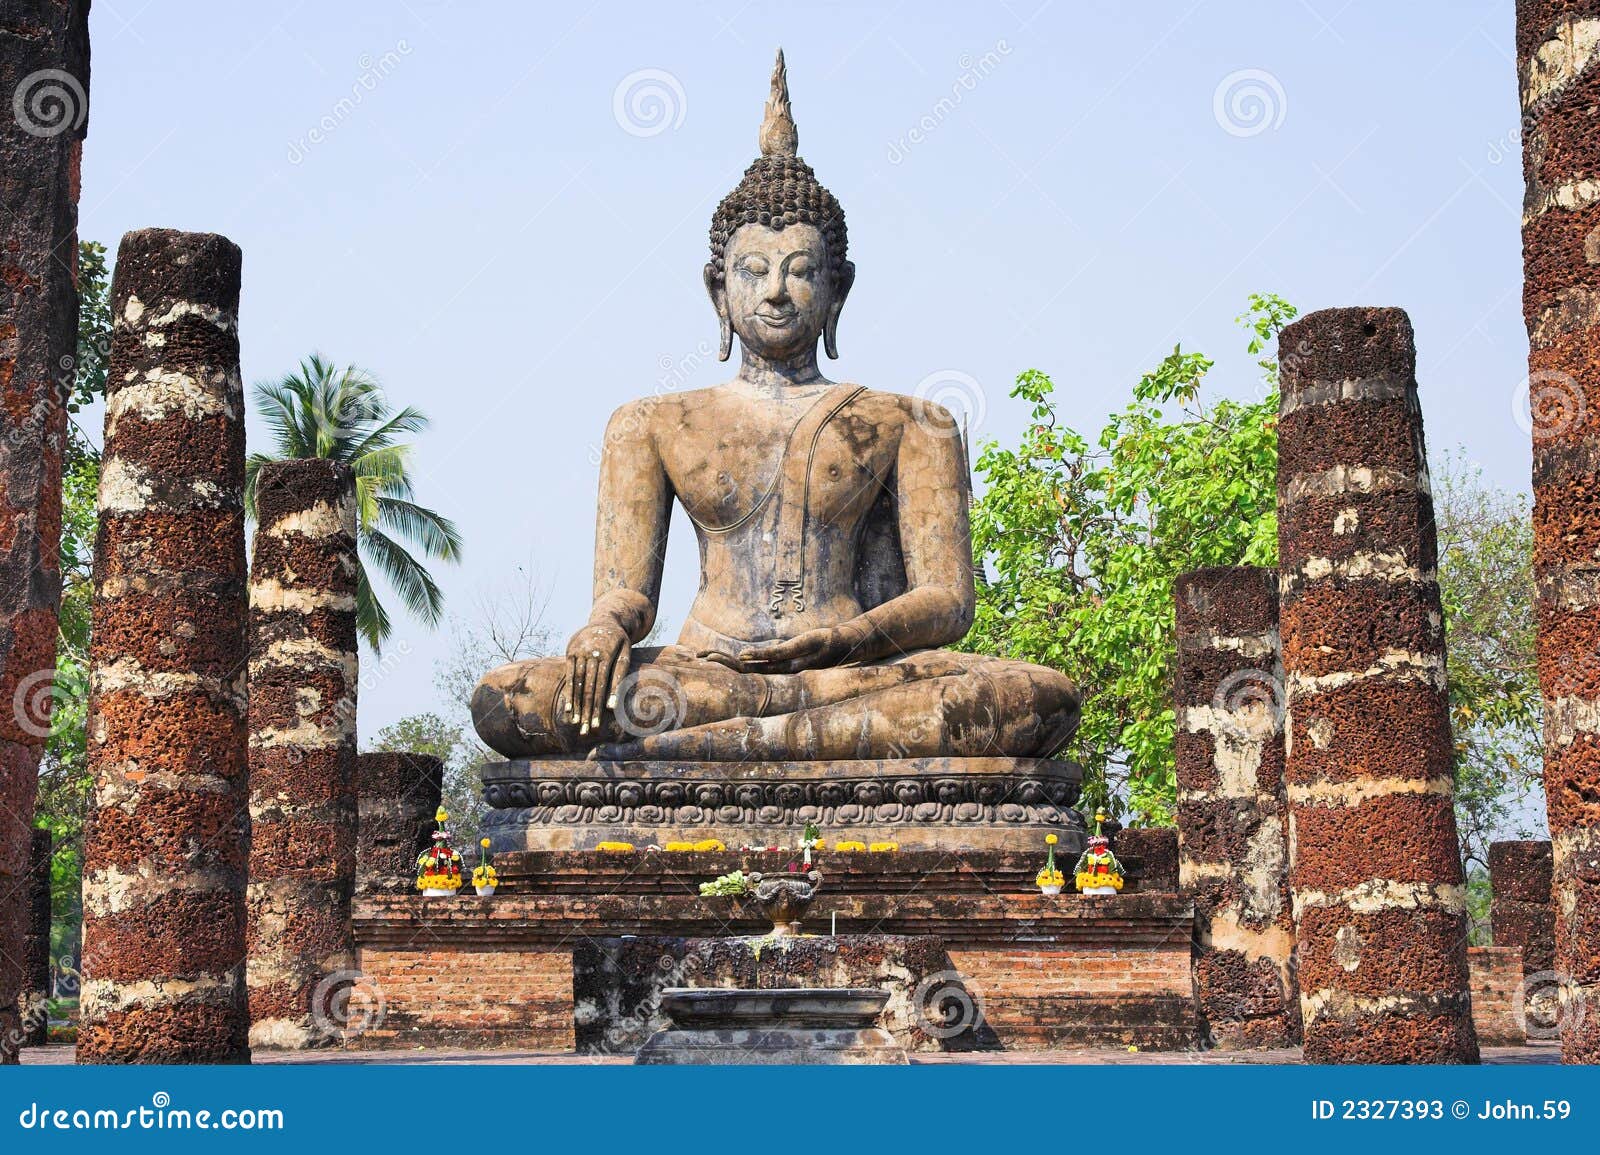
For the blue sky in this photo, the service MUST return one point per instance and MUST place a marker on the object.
(483, 205)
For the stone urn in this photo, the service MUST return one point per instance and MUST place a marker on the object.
(784, 898)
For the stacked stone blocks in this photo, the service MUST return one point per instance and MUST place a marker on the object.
(1559, 77)
(166, 842)
(303, 683)
(398, 794)
(1379, 900)
(44, 83)
(1232, 814)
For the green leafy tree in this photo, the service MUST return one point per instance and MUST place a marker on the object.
(64, 780)
(341, 414)
(1082, 539)
(1486, 580)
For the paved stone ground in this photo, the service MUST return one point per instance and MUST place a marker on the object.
(1540, 1052)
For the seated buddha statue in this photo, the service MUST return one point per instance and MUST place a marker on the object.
(835, 554)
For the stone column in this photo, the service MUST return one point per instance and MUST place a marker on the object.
(44, 109)
(1156, 849)
(302, 751)
(398, 795)
(1379, 899)
(1560, 83)
(36, 946)
(1233, 853)
(1520, 913)
(166, 843)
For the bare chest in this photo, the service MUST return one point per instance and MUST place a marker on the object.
(729, 465)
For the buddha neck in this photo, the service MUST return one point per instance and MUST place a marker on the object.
(778, 376)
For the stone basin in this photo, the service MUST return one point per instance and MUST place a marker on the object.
(849, 1007)
(772, 1026)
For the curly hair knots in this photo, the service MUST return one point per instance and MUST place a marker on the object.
(779, 189)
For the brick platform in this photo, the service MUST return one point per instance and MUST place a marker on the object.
(1047, 972)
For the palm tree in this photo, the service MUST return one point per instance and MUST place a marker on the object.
(342, 415)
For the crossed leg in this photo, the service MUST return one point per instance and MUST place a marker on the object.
(673, 705)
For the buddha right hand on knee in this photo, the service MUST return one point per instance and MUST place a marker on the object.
(598, 657)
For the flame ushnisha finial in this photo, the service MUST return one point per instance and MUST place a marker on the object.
(779, 137)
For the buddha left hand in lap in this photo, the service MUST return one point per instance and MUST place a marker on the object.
(780, 471)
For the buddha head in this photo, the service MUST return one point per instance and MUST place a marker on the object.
(778, 276)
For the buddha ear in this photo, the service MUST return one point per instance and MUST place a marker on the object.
(718, 292)
(830, 327)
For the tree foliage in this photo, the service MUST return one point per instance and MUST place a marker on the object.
(64, 782)
(1081, 541)
(337, 414)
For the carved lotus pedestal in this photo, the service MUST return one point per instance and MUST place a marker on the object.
(920, 803)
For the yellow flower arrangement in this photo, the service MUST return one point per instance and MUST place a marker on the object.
(709, 845)
(679, 847)
(1050, 878)
(614, 847)
(849, 847)
(439, 867)
(484, 874)
(884, 847)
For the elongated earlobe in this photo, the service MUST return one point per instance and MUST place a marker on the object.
(830, 327)
(719, 302)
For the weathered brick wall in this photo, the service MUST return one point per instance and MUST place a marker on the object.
(167, 840)
(1559, 78)
(1043, 972)
(1037, 997)
(1233, 832)
(43, 118)
(1379, 898)
(1520, 912)
(1497, 995)
(460, 996)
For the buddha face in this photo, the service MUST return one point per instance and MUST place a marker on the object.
(777, 293)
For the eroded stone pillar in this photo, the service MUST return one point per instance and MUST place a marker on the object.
(1156, 848)
(1375, 865)
(1520, 913)
(166, 843)
(36, 945)
(302, 751)
(1233, 853)
(398, 795)
(44, 109)
(1560, 85)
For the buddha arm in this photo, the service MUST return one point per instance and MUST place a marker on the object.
(931, 487)
(630, 537)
